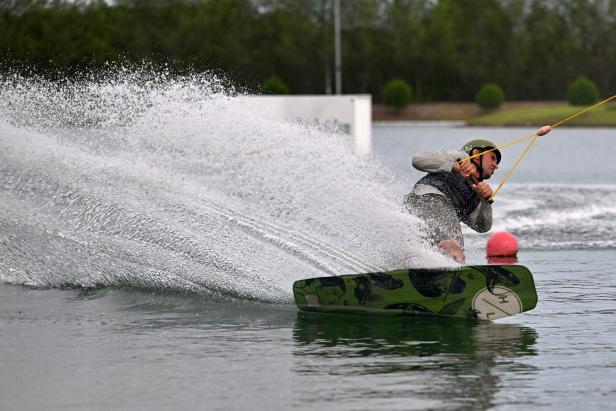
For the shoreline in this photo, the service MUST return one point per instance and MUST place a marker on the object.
(510, 114)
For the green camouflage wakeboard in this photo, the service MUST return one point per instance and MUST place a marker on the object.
(479, 291)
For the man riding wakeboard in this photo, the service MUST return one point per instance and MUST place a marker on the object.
(454, 191)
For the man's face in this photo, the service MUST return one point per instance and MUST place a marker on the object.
(489, 162)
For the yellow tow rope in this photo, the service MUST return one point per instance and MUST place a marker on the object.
(544, 130)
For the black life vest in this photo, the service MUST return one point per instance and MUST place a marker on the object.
(457, 189)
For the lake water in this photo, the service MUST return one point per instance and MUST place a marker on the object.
(150, 233)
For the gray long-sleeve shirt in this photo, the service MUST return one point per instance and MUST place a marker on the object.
(442, 161)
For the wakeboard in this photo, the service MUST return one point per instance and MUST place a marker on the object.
(479, 291)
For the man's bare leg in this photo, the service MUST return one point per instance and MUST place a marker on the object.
(453, 249)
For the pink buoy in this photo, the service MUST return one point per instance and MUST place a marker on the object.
(502, 244)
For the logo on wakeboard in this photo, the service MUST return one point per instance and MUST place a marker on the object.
(501, 302)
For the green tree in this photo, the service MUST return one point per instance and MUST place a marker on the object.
(582, 92)
(547, 44)
(440, 54)
(274, 85)
(490, 96)
(404, 34)
(397, 94)
(446, 49)
(477, 43)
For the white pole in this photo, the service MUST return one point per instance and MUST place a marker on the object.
(338, 61)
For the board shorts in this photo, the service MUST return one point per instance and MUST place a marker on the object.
(438, 214)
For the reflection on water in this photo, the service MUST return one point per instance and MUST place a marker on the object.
(440, 362)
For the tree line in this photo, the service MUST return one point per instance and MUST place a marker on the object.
(445, 49)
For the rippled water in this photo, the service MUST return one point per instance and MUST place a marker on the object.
(122, 348)
(151, 228)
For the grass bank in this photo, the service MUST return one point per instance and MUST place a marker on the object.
(547, 113)
(426, 111)
(510, 114)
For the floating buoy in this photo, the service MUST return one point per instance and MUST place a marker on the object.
(502, 248)
(544, 130)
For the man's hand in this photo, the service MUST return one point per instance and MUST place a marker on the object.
(483, 189)
(466, 169)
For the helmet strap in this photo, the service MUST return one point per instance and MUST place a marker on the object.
(479, 164)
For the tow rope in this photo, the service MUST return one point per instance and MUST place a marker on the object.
(542, 131)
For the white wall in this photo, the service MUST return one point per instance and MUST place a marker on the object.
(352, 113)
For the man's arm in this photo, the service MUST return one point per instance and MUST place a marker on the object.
(437, 161)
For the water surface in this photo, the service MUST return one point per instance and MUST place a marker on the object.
(118, 348)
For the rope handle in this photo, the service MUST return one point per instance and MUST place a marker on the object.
(475, 181)
(473, 178)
